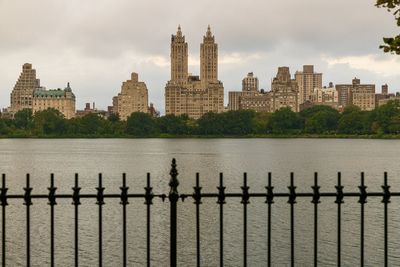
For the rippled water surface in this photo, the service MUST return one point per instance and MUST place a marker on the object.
(257, 157)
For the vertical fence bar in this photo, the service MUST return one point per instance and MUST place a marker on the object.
(221, 202)
(28, 203)
(292, 201)
(386, 200)
(362, 201)
(52, 202)
(270, 200)
(245, 201)
(197, 198)
(173, 199)
(339, 201)
(3, 199)
(149, 201)
(100, 202)
(124, 202)
(76, 202)
(316, 197)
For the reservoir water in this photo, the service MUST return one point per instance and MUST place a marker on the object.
(257, 157)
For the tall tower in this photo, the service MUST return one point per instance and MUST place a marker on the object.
(21, 95)
(307, 80)
(179, 58)
(209, 58)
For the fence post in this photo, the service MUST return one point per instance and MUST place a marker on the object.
(173, 199)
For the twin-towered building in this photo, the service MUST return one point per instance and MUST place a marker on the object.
(189, 94)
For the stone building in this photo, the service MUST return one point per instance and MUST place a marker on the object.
(133, 98)
(250, 97)
(22, 94)
(325, 96)
(284, 91)
(62, 100)
(360, 95)
(250, 83)
(307, 80)
(189, 94)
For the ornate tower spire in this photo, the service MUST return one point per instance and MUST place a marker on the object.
(208, 34)
(179, 32)
(209, 58)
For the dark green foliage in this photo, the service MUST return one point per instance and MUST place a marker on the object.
(49, 122)
(354, 121)
(392, 44)
(175, 125)
(23, 119)
(141, 125)
(284, 121)
(320, 119)
(387, 117)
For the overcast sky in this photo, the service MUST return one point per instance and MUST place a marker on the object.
(96, 44)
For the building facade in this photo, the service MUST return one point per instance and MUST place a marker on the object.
(360, 95)
(284, 91)
(22, 94)
(325, 96)
(189, 94)
(250, 97)
(132, 98)
(307, 80)
(250, 83)
(62, 100)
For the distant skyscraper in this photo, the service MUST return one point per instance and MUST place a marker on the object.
(22, 94)
(284, 91)
(250, 83)
(179, 58)
(133, 98)
(209, 58)
(361, 95)
(194, 95)
(307, 80)
(250, 97)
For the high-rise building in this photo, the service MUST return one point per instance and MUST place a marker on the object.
(250, 97)
(62, 100)
(284, 91)
(22, 94)
(325, 96)
(209, 58)
(250, 83)
(307, 80)
(190, 94)
(132, 98)
(360, 95)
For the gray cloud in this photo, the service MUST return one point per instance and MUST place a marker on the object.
(95, 44)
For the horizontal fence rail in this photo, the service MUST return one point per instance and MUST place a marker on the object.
(174, 197)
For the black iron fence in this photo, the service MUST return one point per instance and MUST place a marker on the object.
(174, 196)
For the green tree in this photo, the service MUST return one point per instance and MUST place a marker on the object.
(141, 124)
(386, 117)
(392, 44)
(171, 124)
(354, 121)
(91, 124)
(23, 119)
(210, 124)
(239, 122)
(260, 122)
(320, 119)
(284, 120)
(4, 128)
(49, 122)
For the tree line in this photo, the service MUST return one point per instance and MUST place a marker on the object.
(318, 120)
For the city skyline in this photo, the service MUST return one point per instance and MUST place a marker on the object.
(96, 59)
